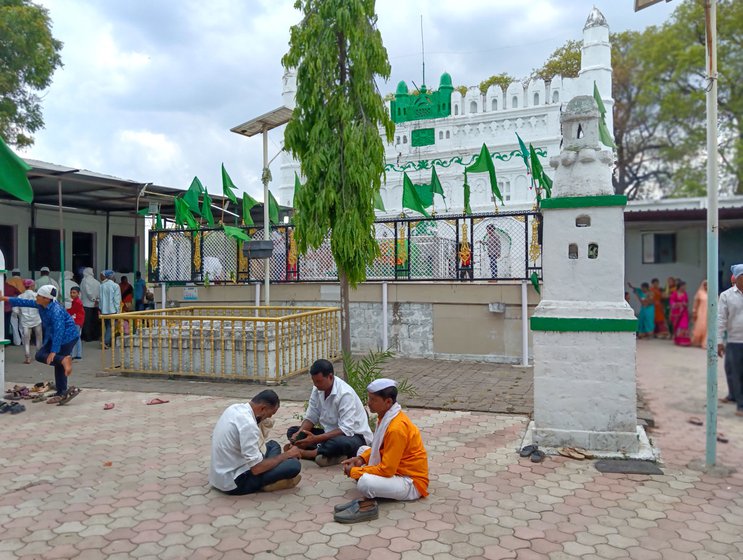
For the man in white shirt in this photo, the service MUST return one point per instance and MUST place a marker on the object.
(238, 466)
(730, 323)
(45, 279)
(110, 303)
(90, 290)
(336, 407)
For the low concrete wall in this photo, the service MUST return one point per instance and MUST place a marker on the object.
(431, 320)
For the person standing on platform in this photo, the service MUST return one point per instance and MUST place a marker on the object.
(77, 311)
(730, 325)
(90, 290)
(140, 289)
(45, 279)
(30, 321)
(110, 303)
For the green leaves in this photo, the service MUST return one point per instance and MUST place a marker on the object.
(337, 52)
(29, 55)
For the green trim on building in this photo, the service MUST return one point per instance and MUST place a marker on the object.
(578, 324)
(584, 201)
(4, 342)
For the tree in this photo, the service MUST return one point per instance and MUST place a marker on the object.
(337, 51)
(564, 61)
(29, 55)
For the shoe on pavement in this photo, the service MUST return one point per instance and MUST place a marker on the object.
(323, 461)
(341, 507)
(366, 510)
(282, 484)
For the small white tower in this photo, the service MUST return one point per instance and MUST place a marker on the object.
(584, 331)
(287, 165)
(595, 65)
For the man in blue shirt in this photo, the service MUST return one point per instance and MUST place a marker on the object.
(60, 337)
(139, 291)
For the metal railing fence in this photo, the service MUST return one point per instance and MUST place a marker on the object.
(235, 343)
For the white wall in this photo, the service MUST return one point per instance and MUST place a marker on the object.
(19, 216)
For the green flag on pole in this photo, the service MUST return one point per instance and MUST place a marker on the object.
(183, 214)
(524, 153)
(467, 208)
(436, 184)
(13, 179)
(378, 202)
(158, 222)
(235, 233)
(538, 173)
(604, 134)
(191, 198)
(206, 209)
(297, 188)
(410, 197)
(228, 187)
(484, 163)
(248, 203)
(273, 209)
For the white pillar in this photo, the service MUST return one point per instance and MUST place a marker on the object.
(524, 324)
(385, 341)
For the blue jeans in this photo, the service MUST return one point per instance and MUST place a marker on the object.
(334, 447)
(60, 379)
(249, 483)
(107, 331)
(77, 352)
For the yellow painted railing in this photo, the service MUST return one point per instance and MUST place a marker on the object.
(235, 343)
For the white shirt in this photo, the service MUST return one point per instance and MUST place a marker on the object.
(46, 280)
(89, 289)
(730, 315)
(342, 409)
(235, 446)
(29, 316)
(110, 297)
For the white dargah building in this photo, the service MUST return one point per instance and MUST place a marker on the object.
(446, 129)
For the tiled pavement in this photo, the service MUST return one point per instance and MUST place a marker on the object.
(81, 482)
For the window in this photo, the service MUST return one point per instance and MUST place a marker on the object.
(447, 135)
(536, 99)
(658, 248)
(593, 250)
(494, 105)
(456, 109)
(473, 106)
(7, 245)
(583, 221)
(555, 96)
(505, 189)
(404, 139)
(43, 248)
(515, 102)
(441, 135)
(398, 140)
(572, 251)
(123, 253)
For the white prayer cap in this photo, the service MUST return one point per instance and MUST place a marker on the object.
(381, 384)
(737, 270)
(48, 291)
(44, 269)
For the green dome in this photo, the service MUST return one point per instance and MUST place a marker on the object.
(445, 80)
(402, 88)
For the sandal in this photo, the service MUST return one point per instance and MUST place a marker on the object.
(527, 450)
(570, 453)
(55, 399)
(108, 406)
(157, 401)
(722, 438)
(16, 408)
(537, 456)
(5, 407)
(71, 393)
(586, 454)
(696, 421)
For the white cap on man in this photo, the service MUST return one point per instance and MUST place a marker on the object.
(380, 385)
(737, 270)
(45, 269)
(48, 291)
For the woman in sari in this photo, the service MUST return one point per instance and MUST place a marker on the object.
(667, 291)
(646, 318)
(699, 334)
(661, 325)
(679, 301)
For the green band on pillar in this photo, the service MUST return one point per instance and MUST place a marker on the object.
(575, 324)
(584, 201)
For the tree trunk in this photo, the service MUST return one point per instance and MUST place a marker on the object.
(345, 317)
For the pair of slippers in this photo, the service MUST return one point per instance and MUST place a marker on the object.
(532, 451)
(696, 421)
(576, 453)
(12, 407)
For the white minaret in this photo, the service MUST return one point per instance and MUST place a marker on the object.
(584, 331)
(287, 165)
(595, 60)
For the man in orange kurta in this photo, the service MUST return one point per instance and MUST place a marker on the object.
(396, 465)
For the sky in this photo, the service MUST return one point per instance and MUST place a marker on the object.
(150, 88)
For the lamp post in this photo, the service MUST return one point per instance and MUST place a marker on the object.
(710, 21)
(262, 125)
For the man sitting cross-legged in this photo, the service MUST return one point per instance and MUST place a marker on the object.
(396, 466)
(338, 409)
(238, 464)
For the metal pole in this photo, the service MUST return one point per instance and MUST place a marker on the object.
(3, 342)
(61, 297)
(266, 225)
(524, 325)
(712, 231)
(385, 341)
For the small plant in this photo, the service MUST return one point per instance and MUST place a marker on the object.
(361, 372)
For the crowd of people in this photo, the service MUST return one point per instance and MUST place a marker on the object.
(86, 299)
(666, 312)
